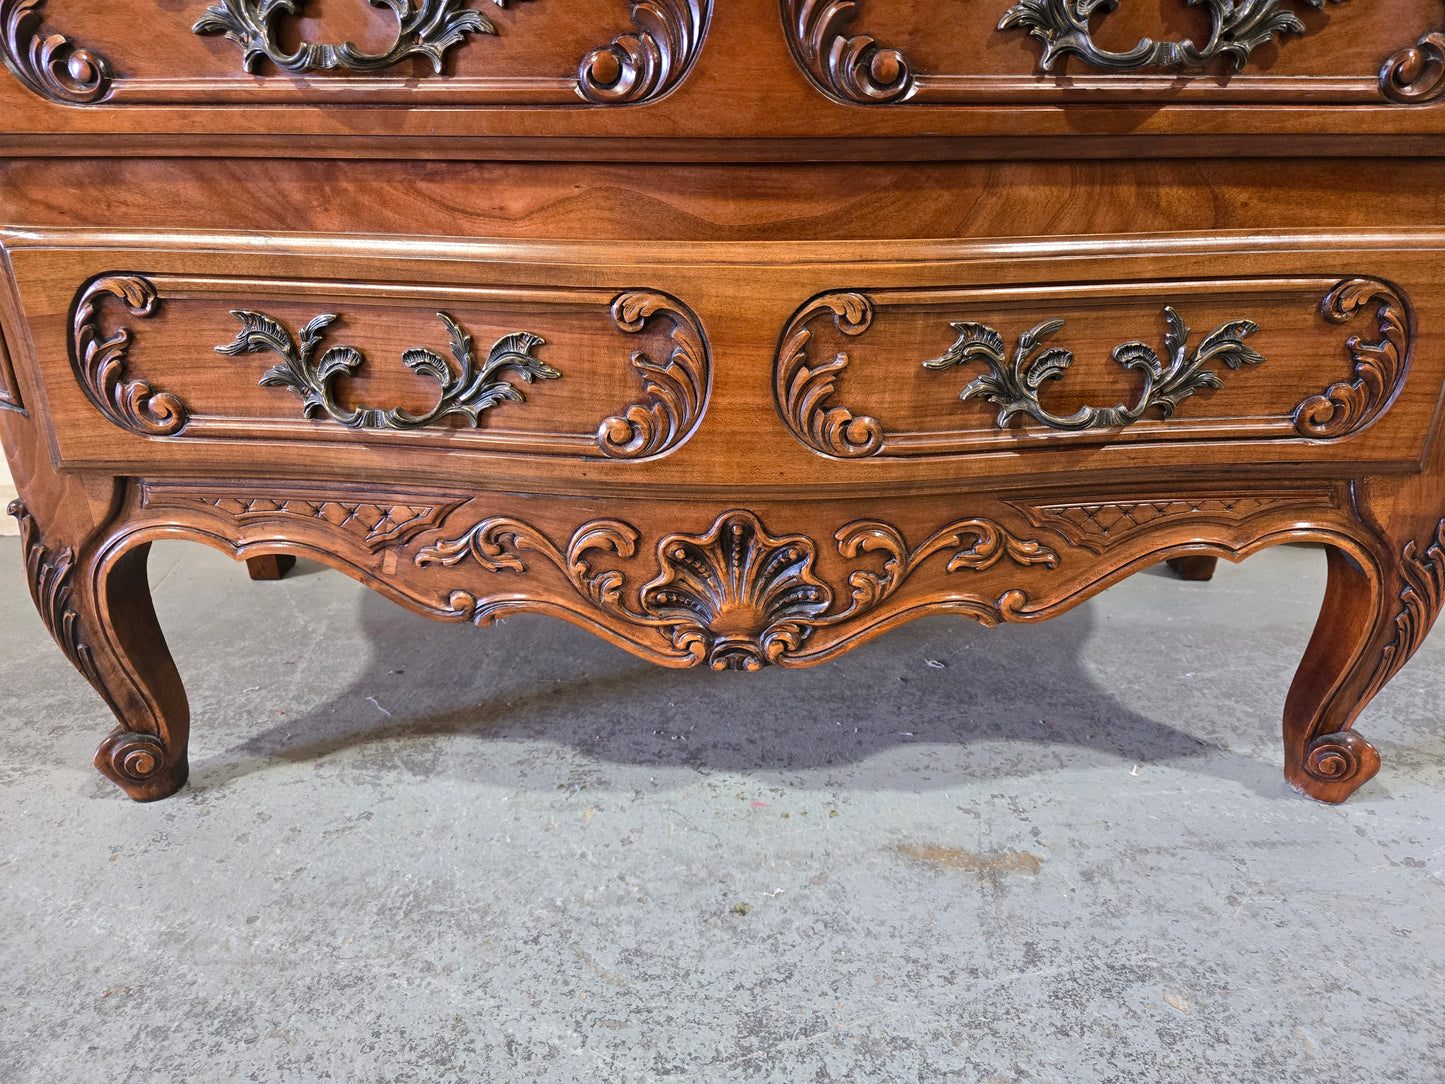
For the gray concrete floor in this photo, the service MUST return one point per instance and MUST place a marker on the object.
(415, 852)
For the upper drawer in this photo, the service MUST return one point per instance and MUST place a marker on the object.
(676, 77)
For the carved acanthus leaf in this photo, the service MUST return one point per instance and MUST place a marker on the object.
(736, 596)
(428, 29)
(1421, 598)
(469, 390)
(50, 574)
(675, 389)
(1379, 366)
(803, 390)
(100, 362)
(51, 65)
(852, 69)
(1013, 386)
(646, 65)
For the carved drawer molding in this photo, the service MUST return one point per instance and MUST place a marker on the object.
(672, 394)
(814, 407)
(638, 66)
(854, 67)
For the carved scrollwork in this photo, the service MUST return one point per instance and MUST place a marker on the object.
(428, 29)
(50, 575)
(1416, 74)
(131, 757)
(1379, 366)
(1014, 387)
(852, 69)
(1421, 598)
(51, 65)
(646, 65)
(100, 362)
(803, 390)
(1237, 28)
(469, 392)
(675, 389)
(1340, 757)
(735, 597)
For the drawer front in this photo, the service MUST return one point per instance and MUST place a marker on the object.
(692, 367)
(807, 76)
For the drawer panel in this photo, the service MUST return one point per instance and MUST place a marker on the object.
(580, 372)
(678, 368)
(430, 52)
(749, 80)
(953, 372)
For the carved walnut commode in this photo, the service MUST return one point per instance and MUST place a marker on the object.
(736, 331)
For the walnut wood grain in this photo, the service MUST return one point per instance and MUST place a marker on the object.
(737, 235)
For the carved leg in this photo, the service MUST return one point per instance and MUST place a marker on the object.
(271, 566)
(1355, 649)
(1194, 568)
(99, 610)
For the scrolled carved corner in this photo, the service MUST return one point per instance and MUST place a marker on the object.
(852, 69)
(803, 391)
(736, 596)
(51, 65)
(1416, 74)
(50, 574)
(99, 362)
(1380, 365)
(141, 765)
(675, 391)
(646, 65)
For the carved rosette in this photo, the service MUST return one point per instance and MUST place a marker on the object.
(1380, 365)
(735, 597)
(49, 574)
(646, 65)
(51, 65)
(1416, 74)
(803, 390)
(675, 390)
(851, 69)
(100, 362)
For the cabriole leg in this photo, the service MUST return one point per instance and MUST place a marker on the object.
(98, 608)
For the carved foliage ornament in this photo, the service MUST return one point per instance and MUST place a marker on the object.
(1421, 597)
(803, 390)
(49, 574)
(735, 597)
(1379, 366)
(469, 391)
(646, 65)
(428, 29)
(1013, 386)
(675, 391)
(51, 65)
(854, 68)
(100, 361)
(1237, 28)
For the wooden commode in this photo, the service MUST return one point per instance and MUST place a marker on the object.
(738, 332)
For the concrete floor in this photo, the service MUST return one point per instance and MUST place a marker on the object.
(416, 852)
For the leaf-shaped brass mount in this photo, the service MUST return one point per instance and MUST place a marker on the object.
(468, 392)
(1013, 386)
(429, 29)
(1237, 28)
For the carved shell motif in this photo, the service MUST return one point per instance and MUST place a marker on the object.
(739, 597)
